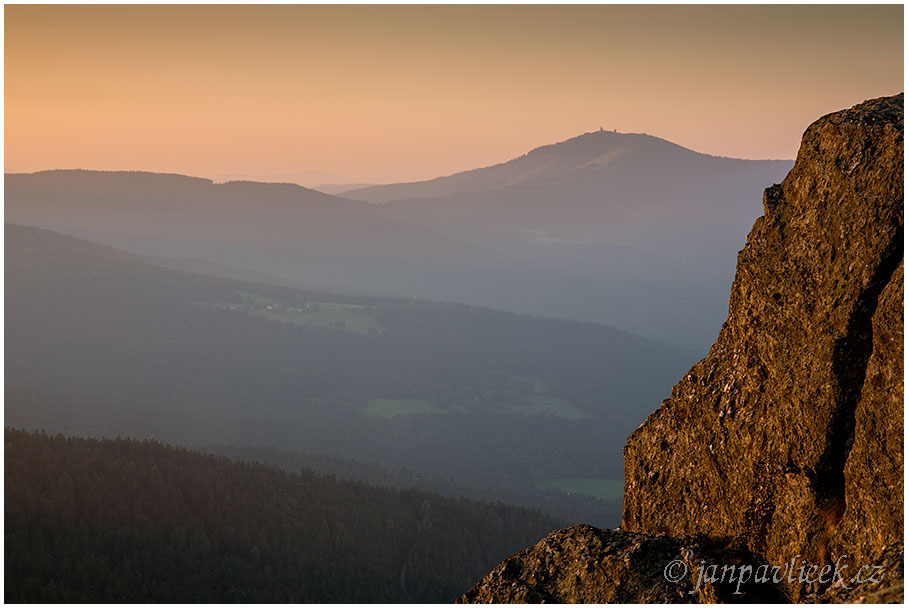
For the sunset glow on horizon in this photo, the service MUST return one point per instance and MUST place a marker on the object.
(413, 92)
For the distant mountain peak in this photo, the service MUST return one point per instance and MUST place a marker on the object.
(787, 438)
(586, 153)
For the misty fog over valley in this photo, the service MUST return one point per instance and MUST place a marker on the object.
(276, 324)
(358, 303)
(266, 308)
(466, 400)
(623, 229)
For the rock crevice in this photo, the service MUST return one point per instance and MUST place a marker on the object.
(851, 355)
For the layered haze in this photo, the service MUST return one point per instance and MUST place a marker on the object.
(414, 92)
(382, 265)
(619, 228)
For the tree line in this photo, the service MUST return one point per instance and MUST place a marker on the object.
(139, 521)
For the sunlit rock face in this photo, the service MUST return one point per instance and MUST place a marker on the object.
(788, 435)
(786, 442)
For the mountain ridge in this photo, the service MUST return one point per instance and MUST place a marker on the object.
(615, 242)
(785, 444)
(572, 154)
(168, 176)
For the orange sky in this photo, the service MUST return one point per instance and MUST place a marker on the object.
(413, 92)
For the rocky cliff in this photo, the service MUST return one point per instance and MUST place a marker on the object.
(786, 442)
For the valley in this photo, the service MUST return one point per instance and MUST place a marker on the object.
(439, 389)
(351, 304)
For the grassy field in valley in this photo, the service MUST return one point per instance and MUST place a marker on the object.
(354, 318)
(605, 489)
(388, 408)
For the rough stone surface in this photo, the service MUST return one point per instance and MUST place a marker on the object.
(794, 418)
(874, 469)
(787, 439)
(582, 564)
(884, 584)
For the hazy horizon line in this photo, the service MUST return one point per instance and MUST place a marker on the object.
(223, 178)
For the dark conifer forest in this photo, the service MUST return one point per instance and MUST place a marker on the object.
(139, 521)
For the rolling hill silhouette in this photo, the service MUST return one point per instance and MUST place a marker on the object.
(624, 229)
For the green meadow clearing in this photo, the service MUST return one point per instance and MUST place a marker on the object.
(354, 318)
(546, 405)
(388, 408)
(521, 395)
(537, 399)
(604, 489)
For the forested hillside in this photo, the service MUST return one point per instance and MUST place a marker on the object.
(100, 343)
(139, 521)
(619, 228)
